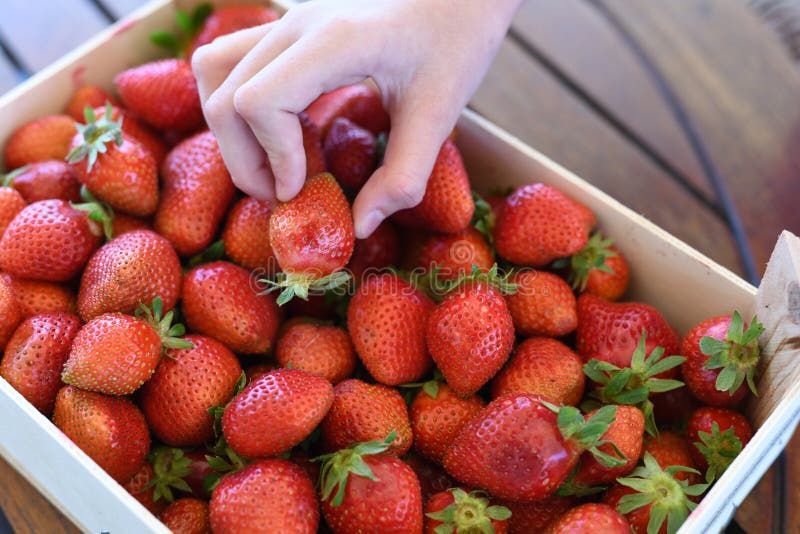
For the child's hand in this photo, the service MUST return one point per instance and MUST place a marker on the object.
(427, 57)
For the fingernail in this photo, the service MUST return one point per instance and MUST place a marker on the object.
(367, 224)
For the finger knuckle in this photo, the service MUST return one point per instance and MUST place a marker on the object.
(245, 101)
(216, 106)
(204, 60)
(409, 190)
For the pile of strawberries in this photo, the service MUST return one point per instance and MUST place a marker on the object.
(439, 376)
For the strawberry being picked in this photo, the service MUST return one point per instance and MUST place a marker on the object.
(464, 512)
(716, 437)
(598, 268)
(359, 103)
(350, 153)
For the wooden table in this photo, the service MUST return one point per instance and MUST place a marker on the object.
(567, 82)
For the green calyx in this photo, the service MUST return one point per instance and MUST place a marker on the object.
(668, 496)
(169, 333)
(7, 180)
(492, 277)
(337, 466)
(719, 450)
(586, 433)
(170, 467)
(97, 134)
(633, 385)
(483, 218)
(214, 252)
(430, 387)
(188, 25)
(737, 355)
(224, 459)
(591, 258)
(470, 513)
(302, 285)
(97, 211)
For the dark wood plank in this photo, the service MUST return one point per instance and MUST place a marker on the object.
(120, 8)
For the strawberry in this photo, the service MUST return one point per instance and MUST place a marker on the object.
(455, 255)
(91, 96)
(129, 270)
(195, 195)
(721, 354)
(386, 319)
(670, 448)
(543, 305)
(462, 512)
(219, 300)
(228, 19)
(447, 205)
(41, 139)
(35, 355)
(626, 433)
(356, 482)
(378, 251)
(187, 516)
(134, 128)
(46, 180)
(541, 448)
(10, 311)
(716, 437)
(199, 469)
(11, 203)
(111, 430)
(350, 153)
(267, 495)
(544, 367)
(437, 416)
(122, 224)
(359, 103)
(48, 240)
(312, 238)
(598, 268)
(312, 145)
(317, 348)
(246, 236)
(163, 93)
(672, 409)
(113, 166)
(590, 517)
(141, 486)
(260, 369)
(534, 516)
(175, 469)
(539, 224)
(176, 411)
(432, 478)
(276, 412)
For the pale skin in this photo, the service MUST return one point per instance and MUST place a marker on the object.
(427, 58)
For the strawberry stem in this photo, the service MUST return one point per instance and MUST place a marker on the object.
(586, 433)
(302, 285)
(7, 180)
(492, 277)
(470, 512)
(169, 333)
(188, 26)
(97, 211)
(97, 134)
(591, 258)
(483, 218)
(719, 450)
(170, 467)
(737, 355)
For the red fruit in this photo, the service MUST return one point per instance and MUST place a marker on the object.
(360, 104)
(598, 268)
(220, 300)
(543, 305)
(128, 271)
(111, 430)
(48, 240)
(302, 459)
(470, 336)
(48, 180)
(10, 311)
(320, 349)
(198, 471)
(265, 496)
(670, 448)
(365, 412)
(41, 139)
(139, 131)
(276, 412)
(432, 478)
(610, 286)
(196, 192)
(544, 367)
(258, 370)
(378, 251)
(246, 236)
(185, 385)
(187, 516)
(716, 436)
(456, 254)
(539, 224)
(437, 416)
(35, 355)
(228, 19)
(672, 409)
(464, 512)
(350, 153)
(534, 516)
(11, 203)
(122, 224)
(627, 433)
(163, 93)
(447, 206)
(593, 518)
(141, 489)
(91, 96)
(387, 319)
(312, 146)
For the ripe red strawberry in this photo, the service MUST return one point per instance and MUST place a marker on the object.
(432, 478)
(722, 353)
(47, 180)
(447, 206)
(456, 254)
(141, 487)
(185, 385)
(534, 516)
(317, 348)
(312, 237)
(541, 447)
(470, 335)
(599, 268)
(228, 19)
(113, 166)
(122, 224)
(312, 145)
(590, 517)
(187, 516)
(48, 240)
(177, 470)
(544, 367)
(138, 130)
(267, 495)
(437, 416)
(128, 271)
(381, 249)
(10, 311)
(672, 409)
(11, 203)
(539, 224)
(220, 300)
(276, 412)
(111, 430)
(463, 512)
(163, 93)
(627, 434)
(357, 482)
(716, 436)
(350, 153)
(246, 236)
(543, 305)
(91, 96)
(364, 412)
(35, 355)
(199, 469)
(41, 139)
(196, 192)
(386, 319)
(670, 448)
(360, 104)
